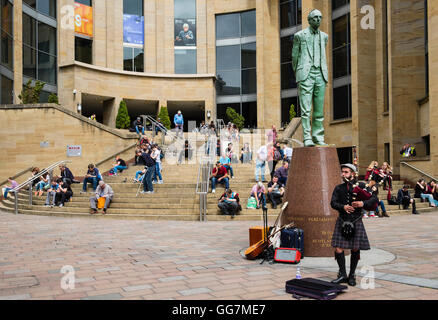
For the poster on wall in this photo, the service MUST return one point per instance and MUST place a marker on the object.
(83, 19)
(133, 29)
(185, 32)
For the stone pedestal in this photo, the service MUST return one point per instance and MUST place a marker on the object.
(313, 175)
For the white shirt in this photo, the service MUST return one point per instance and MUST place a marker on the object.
(288, 152)
(263, 153)
(157, 154)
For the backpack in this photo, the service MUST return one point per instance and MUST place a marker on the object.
(277, 155)
(252, 203)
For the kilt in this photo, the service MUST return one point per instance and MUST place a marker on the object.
(359, 241)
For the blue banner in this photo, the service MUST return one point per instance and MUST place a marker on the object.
(133, 29)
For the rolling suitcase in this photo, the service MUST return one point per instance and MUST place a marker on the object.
(293, 238)
(314, 288)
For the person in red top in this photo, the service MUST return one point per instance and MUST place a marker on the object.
(219, 175)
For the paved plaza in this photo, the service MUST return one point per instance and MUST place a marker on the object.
(130, 259)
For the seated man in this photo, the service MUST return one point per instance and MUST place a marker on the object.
(102, 191)
(138, 125)
(275, 192)
(119, 165)
(67, 175)
(404, 198)
(63, 194)
(258, 192)
(92, 176)
(51, 193)
(282, 173)
(219, 175)
(226, 162)
(229, 203)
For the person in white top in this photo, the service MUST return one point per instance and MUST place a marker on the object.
(156, 155)
(288, 152)
(262, 155)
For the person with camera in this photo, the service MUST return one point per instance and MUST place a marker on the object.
(275, 192)
(349, 232)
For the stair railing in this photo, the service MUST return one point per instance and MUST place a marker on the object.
(29, 182)
(420, 171)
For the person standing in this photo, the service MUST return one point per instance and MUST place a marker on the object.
(156, 155)
(262, 156)
(272, 135)
(178, 120)
(102, 191)
(150, 162)
(349, 210)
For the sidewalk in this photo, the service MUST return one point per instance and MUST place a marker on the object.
(125, 259)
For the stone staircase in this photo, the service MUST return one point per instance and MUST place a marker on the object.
(175, 199)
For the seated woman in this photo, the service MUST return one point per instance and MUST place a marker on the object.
(386, 174)
(373, 172)
(421, 191)
(42, 184)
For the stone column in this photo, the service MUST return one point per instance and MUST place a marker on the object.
(18, 49)
(201, 35)
(100, 16)
(150, 36)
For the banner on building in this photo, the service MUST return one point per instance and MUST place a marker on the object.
(185, 33)
(133, 29)
(83, 19)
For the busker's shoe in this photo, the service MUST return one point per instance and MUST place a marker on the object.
(384, 214)
(414, 208)
(354, 260)
(352, 280)
(342, 274)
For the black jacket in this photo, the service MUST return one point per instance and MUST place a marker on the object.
(341, 197)
(67, 174)
(402, 194)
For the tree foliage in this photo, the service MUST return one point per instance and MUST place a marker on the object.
(30, 94)
(164, 117)
(122, 120)
(235, 118)
(292, 112)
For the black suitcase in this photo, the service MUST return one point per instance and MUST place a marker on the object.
(293, 238)
(313, 288)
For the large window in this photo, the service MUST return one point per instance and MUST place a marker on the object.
(133, 35)
(39, 50)
(185, 36)
(6, 34)
(341, 57)
(47, 7)
(7, 89)
(83, 50)
(290, 13)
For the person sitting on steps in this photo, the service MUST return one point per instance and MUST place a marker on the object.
(229, 203)
(219, 175)
(102, 191)
(275, 192)
(404, 198)
(258, 191)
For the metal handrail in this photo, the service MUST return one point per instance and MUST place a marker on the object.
(155, 123)
(29, 182)
(418, 170)
(203, 183)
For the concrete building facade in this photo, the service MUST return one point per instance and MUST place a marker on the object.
(235, 54)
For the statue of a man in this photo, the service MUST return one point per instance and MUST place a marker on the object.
(310, 67)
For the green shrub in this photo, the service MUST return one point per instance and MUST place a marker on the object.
(292, 113)
(53, 98)
(29, 94)
(123, 121)
(164, 116)
(235, 118)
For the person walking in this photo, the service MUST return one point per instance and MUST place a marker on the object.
(178, 120)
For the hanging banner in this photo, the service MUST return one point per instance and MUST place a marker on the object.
(83, 19)
(133, 29)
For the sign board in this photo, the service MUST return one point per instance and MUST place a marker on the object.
(74, 151)
(44, 144)
(133, 29)
(83, 19)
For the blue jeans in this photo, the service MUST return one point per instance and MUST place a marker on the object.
(229, 168)
(94, 181)
(40, 186)
(260, 166)
(214, 181)
(262, 199)
(147, 180)
(138, 131)
(119, 168)
(139, 173)
(5, 195)
(382, 205)
(429, 197)
(283, 180)
(157, 172)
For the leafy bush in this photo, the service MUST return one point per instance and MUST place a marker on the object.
(164, 116)
(53, 98)
(292, 113)
(235, 118)
(123, 121)
(29, 94)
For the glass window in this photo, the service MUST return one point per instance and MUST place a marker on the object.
(340, 62)
(340, 32)
(248, 23)
(29, 30)
(6, 16)
(342, 103)
(227, 26)
(287, 76)
(226, 57)
(47, 7)
(228, 82)
(29, 62)
(290, 13)
(46, 68)
(83, 50)
(249, 112)
(222, 110)
(30, 3)
(185, 61)
(6, 90)
(249, 81)
(138, 60)
(286, 48)
(285, 108)
(339, 3)
(133, 7)
(6, 50)
(86, 2)
(46, 38)
(185, 9)
(249, 55)
(127, 59)
(44, 97)
(133, 59)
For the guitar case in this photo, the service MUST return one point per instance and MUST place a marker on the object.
(314, 288)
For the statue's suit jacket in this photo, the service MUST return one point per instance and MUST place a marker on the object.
(302, 54)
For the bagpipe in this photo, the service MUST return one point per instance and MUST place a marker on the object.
(360, 193)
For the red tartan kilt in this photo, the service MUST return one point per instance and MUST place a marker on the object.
(359, 241)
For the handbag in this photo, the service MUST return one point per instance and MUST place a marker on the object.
(252, 203)
(348, 230)
(101, 203)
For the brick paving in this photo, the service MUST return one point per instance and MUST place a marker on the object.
(126, 259)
